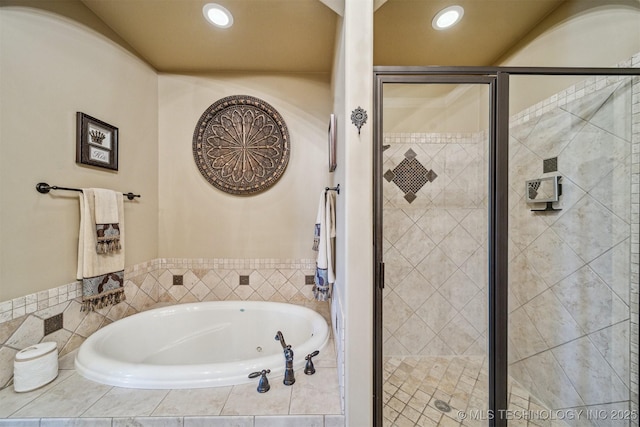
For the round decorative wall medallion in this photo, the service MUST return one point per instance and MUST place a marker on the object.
(241, 145)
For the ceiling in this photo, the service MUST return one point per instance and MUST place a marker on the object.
(299, 35)
(489, 28)
(267, 35)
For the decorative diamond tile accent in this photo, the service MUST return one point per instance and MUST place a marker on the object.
(410, 175)
(550, 165)
(53, 324)
(410, 154)
(389, 175)
(410, 197)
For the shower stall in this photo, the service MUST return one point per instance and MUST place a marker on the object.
(507, 248)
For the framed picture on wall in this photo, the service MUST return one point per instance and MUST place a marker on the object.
(96, 142)
(333, 132)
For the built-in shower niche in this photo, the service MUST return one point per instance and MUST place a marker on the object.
(544, 190)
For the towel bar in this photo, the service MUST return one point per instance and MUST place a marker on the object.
(44, 188)
(336, 189)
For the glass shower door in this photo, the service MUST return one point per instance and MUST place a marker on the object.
(573, 270)
(435, 202)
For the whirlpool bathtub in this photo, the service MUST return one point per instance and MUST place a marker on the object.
(198, 345)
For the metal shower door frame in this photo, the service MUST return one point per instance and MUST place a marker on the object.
(498, 238)
(498, 185)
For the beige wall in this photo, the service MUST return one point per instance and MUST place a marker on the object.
(442, 108)
(53, 67)
(199, 221)
(355, 283)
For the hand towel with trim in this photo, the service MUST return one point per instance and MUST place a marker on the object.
(323, 241)
(107, 225)
(101, 272)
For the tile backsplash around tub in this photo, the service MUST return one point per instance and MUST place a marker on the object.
(168, 280)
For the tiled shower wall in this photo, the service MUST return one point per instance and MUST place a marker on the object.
(435, 204)
(147, 284)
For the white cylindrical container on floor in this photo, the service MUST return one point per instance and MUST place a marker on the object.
(35, 366)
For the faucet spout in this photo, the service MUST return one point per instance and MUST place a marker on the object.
(289, 377)
(280, 337)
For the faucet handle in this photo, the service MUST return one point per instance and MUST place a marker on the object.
(309, 369)
(263, 384)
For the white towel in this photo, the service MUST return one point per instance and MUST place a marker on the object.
(323, 242)
(106, 206)
(102, 274)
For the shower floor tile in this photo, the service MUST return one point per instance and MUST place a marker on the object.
(443, 391)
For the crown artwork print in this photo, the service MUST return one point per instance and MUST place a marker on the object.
(96, 142)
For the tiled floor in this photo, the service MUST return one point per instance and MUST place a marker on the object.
(413, 385)
(312, 401)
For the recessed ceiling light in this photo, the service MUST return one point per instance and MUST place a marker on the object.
(217, 15)
(447, 17)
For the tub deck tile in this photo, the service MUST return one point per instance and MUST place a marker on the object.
(199, 401)
(315, 394)
(72, 401)
(245, 400)
(148, 422)
(75, 422)
(24, 422)
(290, 421)
(68, 398)
(10, 401)
(239, 421)
(122, 402)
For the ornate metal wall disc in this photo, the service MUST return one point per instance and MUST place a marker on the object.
(241, 145)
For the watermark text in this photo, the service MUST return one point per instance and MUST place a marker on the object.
(544, 414)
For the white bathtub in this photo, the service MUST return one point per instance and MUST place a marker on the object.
(197, 345)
